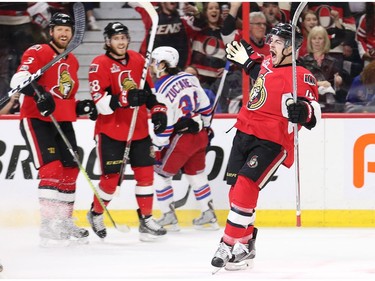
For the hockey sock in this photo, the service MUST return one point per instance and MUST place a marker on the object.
(107, 187)
(240, 223)
(50, 176)
(202, 190)
(144, 191)
(164, 192)
(67, 189)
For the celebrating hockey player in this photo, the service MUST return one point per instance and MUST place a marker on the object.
(183, 144)
(57, 89)
(114, 80)
(264, 137)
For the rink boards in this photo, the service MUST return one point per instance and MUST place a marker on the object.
(337, 177)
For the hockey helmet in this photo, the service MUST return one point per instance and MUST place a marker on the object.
(284, 30)
(61, 19)
(113, 28)
(167, 54)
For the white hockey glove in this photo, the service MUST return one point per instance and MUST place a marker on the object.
(241, 53)
(18, 78)
(40, 14)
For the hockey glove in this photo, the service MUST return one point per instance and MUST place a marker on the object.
(133, 97)
(187, 125)
(87, 107)
(44, 102)
(159, 118)
(18, 78)
(299, 112)
(241, 54)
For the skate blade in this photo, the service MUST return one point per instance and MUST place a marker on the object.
(216, 270)
(79, 241)
(147, 237)
(52, 243)
(242, 265)
(172, 227)
(207, 227)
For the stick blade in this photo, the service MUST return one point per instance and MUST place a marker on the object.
(123, 228)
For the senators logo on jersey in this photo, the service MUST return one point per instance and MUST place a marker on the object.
(126, 81)
(258, 94)
(65, 83)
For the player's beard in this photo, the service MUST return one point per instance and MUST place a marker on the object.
(119, 54)
(60, 44)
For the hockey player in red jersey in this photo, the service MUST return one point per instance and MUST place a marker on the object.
(114, 79)
(58, 171)
(264, 137)
(183, 144)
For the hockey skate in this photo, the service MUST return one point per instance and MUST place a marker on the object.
(149, 230)
(53, 234)
(208, 220)
(222, 255)
(243, 255)
(97, 223)
(75, 232)
(169, 220)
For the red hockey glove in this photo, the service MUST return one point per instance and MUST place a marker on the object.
(133, 97)
(299, 112)
(44, 102)
(159, 118)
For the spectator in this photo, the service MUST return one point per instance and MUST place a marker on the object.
(353, 64)
(361, 95)
(12, 105)
(365, 34)
(208, 45)
(274, 14)
(336, 18)
(327, 70)
(173, 30)
(90, 18)
(16, 35)
(357, 9)
(309, 20)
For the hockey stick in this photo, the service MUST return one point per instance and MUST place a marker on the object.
(79, 11)
(181, 202)
(155, 20)
(80, 22)
(296, 16)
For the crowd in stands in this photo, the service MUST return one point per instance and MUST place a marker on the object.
(338, 47)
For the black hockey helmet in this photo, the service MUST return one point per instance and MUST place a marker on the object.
(61, 19)
(115, 28)
(284, 30)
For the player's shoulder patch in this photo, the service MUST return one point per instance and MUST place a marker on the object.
(93, 68)
(309, 79)
(36, 47)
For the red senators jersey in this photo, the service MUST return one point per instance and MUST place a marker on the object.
(265, 115)
(60, 80)
(107, 77)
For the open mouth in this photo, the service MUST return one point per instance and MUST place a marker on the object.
(273, 54)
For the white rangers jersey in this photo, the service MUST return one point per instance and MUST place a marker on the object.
(184, 98)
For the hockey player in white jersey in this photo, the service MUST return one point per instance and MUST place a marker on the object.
(182, 146)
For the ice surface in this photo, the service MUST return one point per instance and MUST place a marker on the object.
(282, 253)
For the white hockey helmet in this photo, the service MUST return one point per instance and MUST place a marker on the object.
(167, 54)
